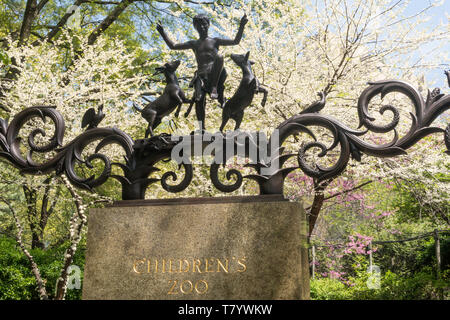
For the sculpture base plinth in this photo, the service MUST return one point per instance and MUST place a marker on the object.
(211, 249)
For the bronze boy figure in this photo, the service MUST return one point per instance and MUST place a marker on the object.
(210, 76)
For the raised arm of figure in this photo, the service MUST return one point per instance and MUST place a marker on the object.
(237, 39)
(173, 46)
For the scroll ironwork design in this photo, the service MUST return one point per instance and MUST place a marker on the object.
(349, 140)
(143, 155)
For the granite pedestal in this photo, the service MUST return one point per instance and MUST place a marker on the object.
(210, 248)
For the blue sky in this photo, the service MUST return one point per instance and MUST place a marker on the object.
(438, 15)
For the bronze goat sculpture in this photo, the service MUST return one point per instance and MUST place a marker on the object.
(166, 103)
(243, 97)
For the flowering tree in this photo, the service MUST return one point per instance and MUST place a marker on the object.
(102, 75)
(337, 47)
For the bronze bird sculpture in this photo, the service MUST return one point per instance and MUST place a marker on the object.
(91, 119)
(316, 106)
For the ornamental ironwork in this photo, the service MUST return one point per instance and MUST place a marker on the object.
(267, 157)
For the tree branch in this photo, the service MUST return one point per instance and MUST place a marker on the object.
(41, 5)
(77, 222)
(344, 192)
(103, 2)
(62, 22)
(114, 14)
(319, 197)
(46, 209)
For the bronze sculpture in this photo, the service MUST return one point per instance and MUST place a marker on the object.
(172, 97)
(142, 156)
(316, 106)
(210, 75)
(242, 98)
(91, 119)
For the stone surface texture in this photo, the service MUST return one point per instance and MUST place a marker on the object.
(250, 249)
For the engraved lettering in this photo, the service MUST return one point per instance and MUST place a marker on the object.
(171, 291)
(205, 287)
(188, 266)
(190, 286)
(170, 267)
(220, 265)
(196, 265)
(207, 265)
(242, 264)
(136, 262)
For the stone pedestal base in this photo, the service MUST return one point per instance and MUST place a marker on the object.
(212, 248)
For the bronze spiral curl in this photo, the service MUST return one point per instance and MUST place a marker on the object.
(426, 111)
(67, 156)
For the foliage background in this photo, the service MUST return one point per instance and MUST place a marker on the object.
(336, 46)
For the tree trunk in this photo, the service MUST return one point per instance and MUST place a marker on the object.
(315, 208)
(27, 21)
(319, 198)
(32, 215)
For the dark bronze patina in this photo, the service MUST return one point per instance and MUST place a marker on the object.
(211, 75)
(92, 119)
(172, 98)
(142, 155)
(243, 97)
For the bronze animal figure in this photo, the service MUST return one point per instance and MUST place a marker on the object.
(243, 97)
(316, 106)
(91, 119)
(171, 98)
